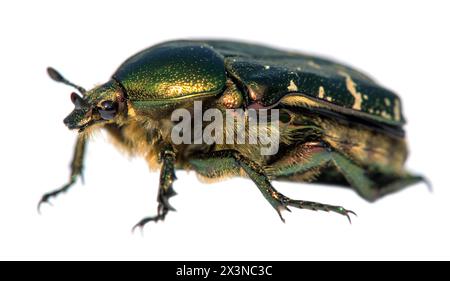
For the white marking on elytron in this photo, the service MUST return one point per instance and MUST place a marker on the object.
(386, 115)
(351, 87)
(365, 97)
(370, 110)
(313, 64)
(299, 68)
(321, 92)
(267, 67)
(292, 87)
(329, 98)
(294, 73)
(397, 114)
(387, 101)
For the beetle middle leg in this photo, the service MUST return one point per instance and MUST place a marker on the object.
(165, 191)
(222, 162)
(76, 170)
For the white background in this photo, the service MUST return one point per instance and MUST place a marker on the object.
(404, 45)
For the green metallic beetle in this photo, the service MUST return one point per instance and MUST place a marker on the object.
(337, 126)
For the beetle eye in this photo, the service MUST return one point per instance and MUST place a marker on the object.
(108, 110)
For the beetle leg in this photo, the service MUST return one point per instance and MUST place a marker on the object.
(165, 191)
(312, 157)
(76, 170)
(218, 163)
(356, 176)
(401, 183)
(365, 187)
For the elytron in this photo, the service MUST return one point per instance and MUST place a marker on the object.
(336, 125)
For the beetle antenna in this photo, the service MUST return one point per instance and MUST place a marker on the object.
(56, 76)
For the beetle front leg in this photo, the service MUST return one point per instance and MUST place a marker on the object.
(218, 163)
(165, 191)
(76, 170)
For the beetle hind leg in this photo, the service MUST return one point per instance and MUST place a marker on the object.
(317, 156)
(232, 162)
(401, 183)
(372, 187)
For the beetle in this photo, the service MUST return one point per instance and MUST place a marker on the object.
(336, 124)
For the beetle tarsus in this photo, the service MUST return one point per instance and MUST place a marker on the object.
(163, 208)
(282, 208)
(47, 196)
(144, 221)
(314, 206)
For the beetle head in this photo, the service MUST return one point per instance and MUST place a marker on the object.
(101, 105)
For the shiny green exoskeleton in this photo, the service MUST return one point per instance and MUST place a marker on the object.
(336, 126)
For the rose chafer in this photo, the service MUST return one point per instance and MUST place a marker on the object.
(336, 126)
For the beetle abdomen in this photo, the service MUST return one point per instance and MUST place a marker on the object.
(340, 154)
(368, 148)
